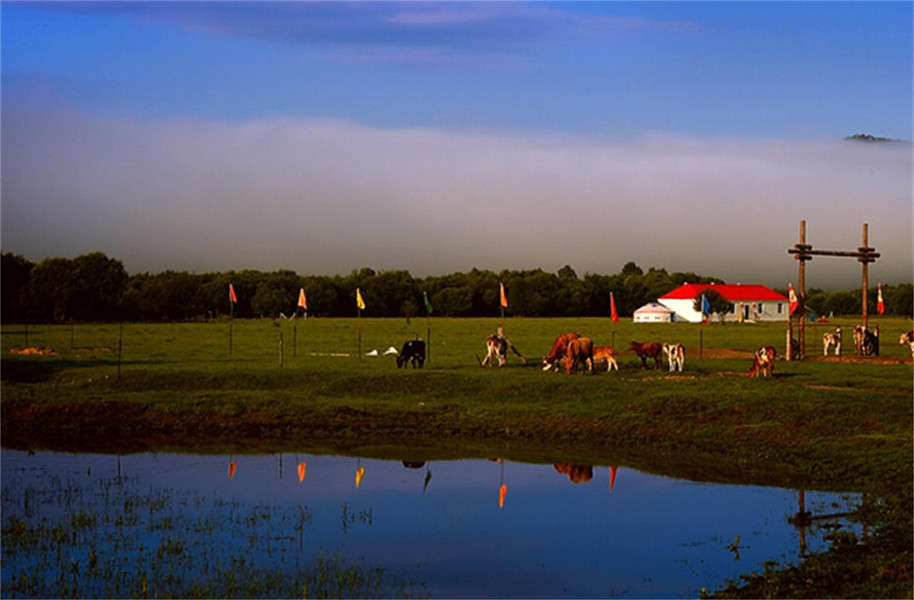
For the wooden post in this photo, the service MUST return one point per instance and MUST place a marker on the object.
(801, 295)
(865, 249)
(120, 348)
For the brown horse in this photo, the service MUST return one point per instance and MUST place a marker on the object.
(648, 350)
(559, 347)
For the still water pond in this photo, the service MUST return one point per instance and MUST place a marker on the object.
(172, 524)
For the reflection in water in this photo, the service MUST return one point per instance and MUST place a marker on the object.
(174, 525)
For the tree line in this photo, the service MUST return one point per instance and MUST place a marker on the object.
(94, 287)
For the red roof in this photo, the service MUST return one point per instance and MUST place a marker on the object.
(732, 292)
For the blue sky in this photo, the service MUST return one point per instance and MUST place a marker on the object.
(328, 136)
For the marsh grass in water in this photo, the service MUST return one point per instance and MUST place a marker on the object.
(108, 539)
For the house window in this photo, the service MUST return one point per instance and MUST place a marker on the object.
(780, 307)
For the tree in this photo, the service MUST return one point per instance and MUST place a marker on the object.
(717, 304)
(15, 273)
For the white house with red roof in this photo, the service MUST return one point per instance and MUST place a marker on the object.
(751, 302)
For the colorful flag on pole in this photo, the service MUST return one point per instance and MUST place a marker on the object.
(504, 297)
(232, 297)
(792, 297)
(428, 305)
(880, 304)
(612, 308)
(302, 300)
(358, 299)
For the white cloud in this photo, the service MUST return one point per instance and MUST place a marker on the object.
(327, 196)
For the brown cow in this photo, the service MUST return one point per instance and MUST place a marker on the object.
(580, 351)
(575, 473)
(559, 347)
(648, 350)
(763, 362)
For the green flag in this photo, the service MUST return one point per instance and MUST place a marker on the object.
(428, 305)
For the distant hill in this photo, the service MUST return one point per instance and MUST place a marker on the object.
(865, 137)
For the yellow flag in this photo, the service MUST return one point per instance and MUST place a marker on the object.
(359, 473)
(358, 299)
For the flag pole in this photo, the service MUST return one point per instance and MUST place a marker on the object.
(428, 326)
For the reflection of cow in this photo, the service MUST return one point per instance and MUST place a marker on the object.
(559, 346)
(907, 338)
(676, 355)
(413, 351)
(763, 362)
(410, 464)
(575, 473)
(580, 351)
(496, 348)
(832, 339)
(647, 350)
(606, 354)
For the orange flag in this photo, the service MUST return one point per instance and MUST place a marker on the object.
(502, 492)
(301, 471)
(612, 477)
(232, 466)
(504, 297)
(302, 301)
(880, 304)
(612, 308)
(232, 297)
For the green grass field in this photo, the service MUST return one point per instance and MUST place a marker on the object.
(841, 424)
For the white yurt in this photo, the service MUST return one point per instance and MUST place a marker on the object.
(654, 312)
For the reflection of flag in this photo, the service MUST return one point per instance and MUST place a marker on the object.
(301, 470)
(232, 297)
(428, 305)
(232, 466)
(792, 297)
(612, 477)
(504, 298)
(302, 301)
(705, 305)
(502, 492)
(428, 477)
(612, 308)
(359, 473)
(358, 299)
(880, 305)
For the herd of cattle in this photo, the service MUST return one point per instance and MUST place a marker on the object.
(572, 351)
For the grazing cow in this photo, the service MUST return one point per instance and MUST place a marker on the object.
(866, 342)
(606, 354)
(559, 346)
(763, 362)
(413, 351)
(907, 338)
(496, 350)
(647, 350)
(676, 355)
(580, 351)
(832, 339)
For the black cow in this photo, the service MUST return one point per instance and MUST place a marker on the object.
(414, 351)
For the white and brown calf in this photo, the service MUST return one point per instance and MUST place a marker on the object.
(675, 353)
(832, 339)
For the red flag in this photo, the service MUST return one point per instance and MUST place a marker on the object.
(504, 298)
(232, 466)
(232, 297)
(502, 492)
(792, 296)
(612, 477)
(880, 305)
(612, 308)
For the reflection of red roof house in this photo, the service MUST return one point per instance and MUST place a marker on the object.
(750, 302)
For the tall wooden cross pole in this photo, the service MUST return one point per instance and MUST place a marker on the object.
(804, 252)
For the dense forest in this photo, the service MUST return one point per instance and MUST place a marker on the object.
(94, 287)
